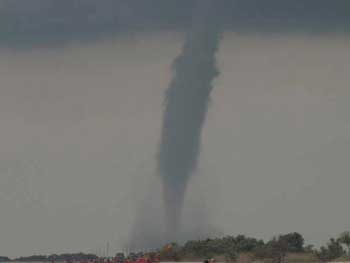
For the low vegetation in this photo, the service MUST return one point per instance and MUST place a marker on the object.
(60, 258)
(288, 248)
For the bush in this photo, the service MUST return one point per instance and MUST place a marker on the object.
(333, 251)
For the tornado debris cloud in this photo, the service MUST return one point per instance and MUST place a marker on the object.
(185, 110)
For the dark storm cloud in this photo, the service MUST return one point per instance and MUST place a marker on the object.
(43, 20)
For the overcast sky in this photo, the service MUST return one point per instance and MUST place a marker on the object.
(80, 126)
(53, 21)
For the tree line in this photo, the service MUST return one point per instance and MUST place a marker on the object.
(227, 248)
(275, 250)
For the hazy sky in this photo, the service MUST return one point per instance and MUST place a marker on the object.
(80, 126)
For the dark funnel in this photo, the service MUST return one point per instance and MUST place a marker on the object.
(186, 106)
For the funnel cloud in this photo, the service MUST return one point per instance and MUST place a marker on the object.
(186, 105)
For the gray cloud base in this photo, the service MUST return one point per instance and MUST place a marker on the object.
(56, 21)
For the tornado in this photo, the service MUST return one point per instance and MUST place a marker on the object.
(185, 109)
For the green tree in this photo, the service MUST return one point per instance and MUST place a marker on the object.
(323, 254)
(345, 239)
(275, 250)
(333, 250)
(279, 248)
(295, 242)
